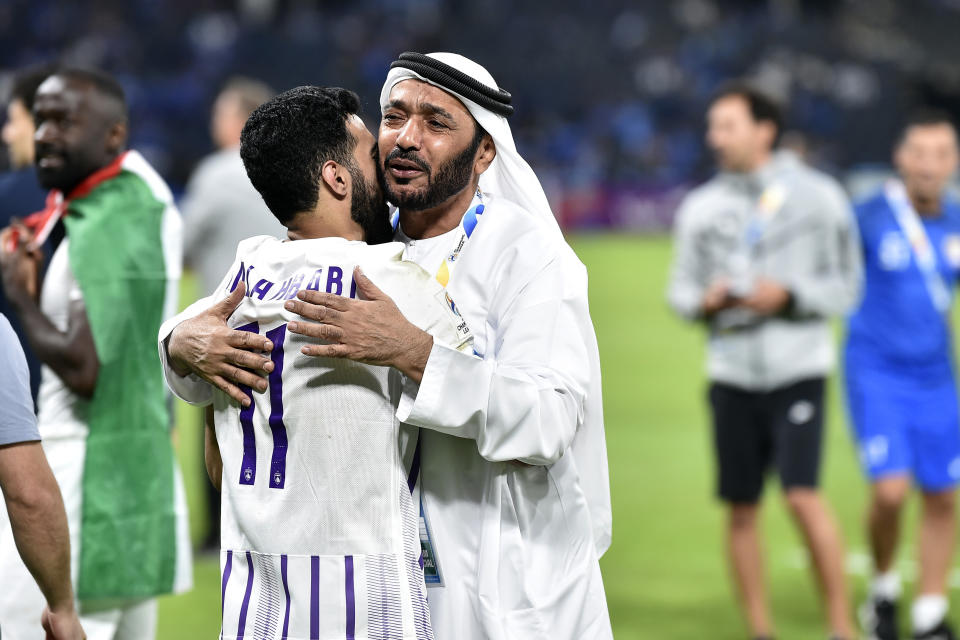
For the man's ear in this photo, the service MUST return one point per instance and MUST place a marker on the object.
(335, 176)
(117, 137)
(485, 154)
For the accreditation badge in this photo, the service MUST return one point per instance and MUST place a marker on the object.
(951, 250)
(432, 576)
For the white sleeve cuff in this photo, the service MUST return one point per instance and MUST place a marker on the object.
(421, 401)
(190, 388)
(423, 405)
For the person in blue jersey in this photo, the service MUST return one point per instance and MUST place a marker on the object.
(901, 388)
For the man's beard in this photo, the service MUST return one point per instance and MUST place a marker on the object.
(369, 210)
(65, 176)
(451, 178)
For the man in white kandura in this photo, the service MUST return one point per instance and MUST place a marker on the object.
(509, 458)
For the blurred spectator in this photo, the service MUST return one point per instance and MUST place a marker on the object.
(765, 252)
(901, 385)
(20, 191)
(103, 413)
(221, 208)
(626, 117)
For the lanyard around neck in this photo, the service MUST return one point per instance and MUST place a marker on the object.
(467, 226)
(912, 227)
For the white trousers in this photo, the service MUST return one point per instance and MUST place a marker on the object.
(22, 603)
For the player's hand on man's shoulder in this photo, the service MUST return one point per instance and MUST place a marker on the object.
(226, 358)
(370, 330)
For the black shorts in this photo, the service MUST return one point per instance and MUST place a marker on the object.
(754, 431)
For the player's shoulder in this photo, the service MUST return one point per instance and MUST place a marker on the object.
(248, 247)
(951, 207)
(821, 190)
(702, 203)
(871, 209)
(700, 197)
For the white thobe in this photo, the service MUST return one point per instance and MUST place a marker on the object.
(517, 532)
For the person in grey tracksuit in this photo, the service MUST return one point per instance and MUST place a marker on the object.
(765, 252)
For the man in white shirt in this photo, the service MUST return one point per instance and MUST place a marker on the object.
(510, 454)
(319, 526)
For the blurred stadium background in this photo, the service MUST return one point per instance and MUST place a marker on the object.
(610, 98)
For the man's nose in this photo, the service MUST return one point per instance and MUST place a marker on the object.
(45, 133)
(409, 136)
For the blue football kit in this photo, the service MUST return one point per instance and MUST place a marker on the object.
(901, 390)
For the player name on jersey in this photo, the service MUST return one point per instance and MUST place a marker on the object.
(330, 279)
(319, 527)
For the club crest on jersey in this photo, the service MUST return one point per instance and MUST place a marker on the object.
(894, 252)
(951, 250)
(248, 474)
(277, 478)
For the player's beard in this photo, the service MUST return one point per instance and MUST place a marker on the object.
(451, 178)
(369, 209)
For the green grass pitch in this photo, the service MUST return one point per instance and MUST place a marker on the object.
(665, 575)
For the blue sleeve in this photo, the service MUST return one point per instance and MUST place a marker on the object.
(17, 420)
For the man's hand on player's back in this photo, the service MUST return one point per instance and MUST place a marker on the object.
(370, 330)
(225, 358)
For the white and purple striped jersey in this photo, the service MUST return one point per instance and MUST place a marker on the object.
(319, 530)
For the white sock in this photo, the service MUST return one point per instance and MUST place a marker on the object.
(928, 611)
(886, 586)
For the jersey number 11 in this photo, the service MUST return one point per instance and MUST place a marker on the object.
(278, 460)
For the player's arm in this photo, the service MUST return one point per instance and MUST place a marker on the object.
(211, 449)
(200, 352)
(39, 525)
(521, 402)
(71, 354)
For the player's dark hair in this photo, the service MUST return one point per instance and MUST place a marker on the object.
(101, 82)
(25, 84)
(763, 108)
(925, 117)
(287, 139)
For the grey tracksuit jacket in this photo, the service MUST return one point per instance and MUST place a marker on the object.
(786, 222)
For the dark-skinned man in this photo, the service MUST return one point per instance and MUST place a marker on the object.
(506, 449)
(20, 193)
(103, 414)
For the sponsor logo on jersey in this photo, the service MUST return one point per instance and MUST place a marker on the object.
(894, 252)
(951, 250)
(801, 412)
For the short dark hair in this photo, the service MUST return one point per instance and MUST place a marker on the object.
(101, 82)
(924, 117)
(25, 84)
(763, 108)
(248, 92)
(287, 139)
